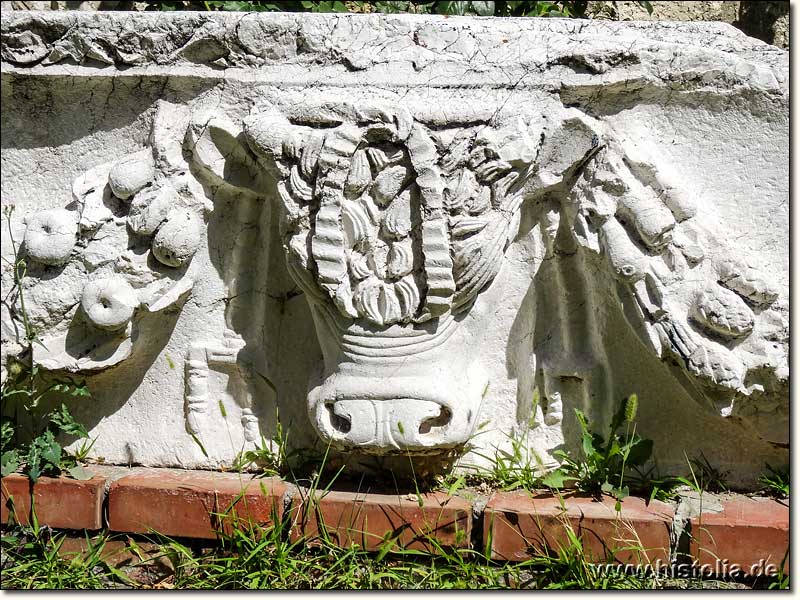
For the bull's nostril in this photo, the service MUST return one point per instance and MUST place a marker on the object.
(440, 420)
(340, 423)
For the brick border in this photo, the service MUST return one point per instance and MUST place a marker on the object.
(372, 520)
(192, 504)
(725, 534)
(747, 532)
(523, 526)
(62, 503)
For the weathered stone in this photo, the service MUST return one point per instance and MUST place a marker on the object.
(397, 241)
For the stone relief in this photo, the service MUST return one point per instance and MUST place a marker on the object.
(423, 190)
(391, 229)
(124, 245)
(391, 240)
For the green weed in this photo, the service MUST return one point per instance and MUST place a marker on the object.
(517, 467)
(28, 431)
(606, 463)
(33, 559)
(781, 581)
(775, 482)
(267, 558)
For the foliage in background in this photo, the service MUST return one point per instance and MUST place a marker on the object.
(499, 8)
(617, 464)
(28, 428)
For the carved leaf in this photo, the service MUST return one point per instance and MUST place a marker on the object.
(359, 266)
(400, 260)
(457, 196)
(368, 299)
(380, 158)
(492, 170)
(748, 282)
(389, 305)
(719, 365)
(359, 177)
(388, 184)
(408, 295)
(397, 219)
(310, 155)
(356, 222)
(479, 202)
(299, 187)
(463, 226)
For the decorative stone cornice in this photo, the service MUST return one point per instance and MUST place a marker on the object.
(399, 49)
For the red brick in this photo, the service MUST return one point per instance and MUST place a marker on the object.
(368, 520)
(58, 501)
(191, 503)
(520, 526)
(746, 532)
(16, 499)
(115, 552)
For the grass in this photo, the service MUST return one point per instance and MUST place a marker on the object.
(266, 558)
(269, 557)
(32, 559)
(615, 464)
(775, 482)
(517, 467)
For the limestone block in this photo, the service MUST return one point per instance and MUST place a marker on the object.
(409, 252)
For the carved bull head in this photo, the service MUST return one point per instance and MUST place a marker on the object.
(392, 228)
(392, 231)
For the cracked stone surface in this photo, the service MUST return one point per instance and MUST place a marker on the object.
(394, 232)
